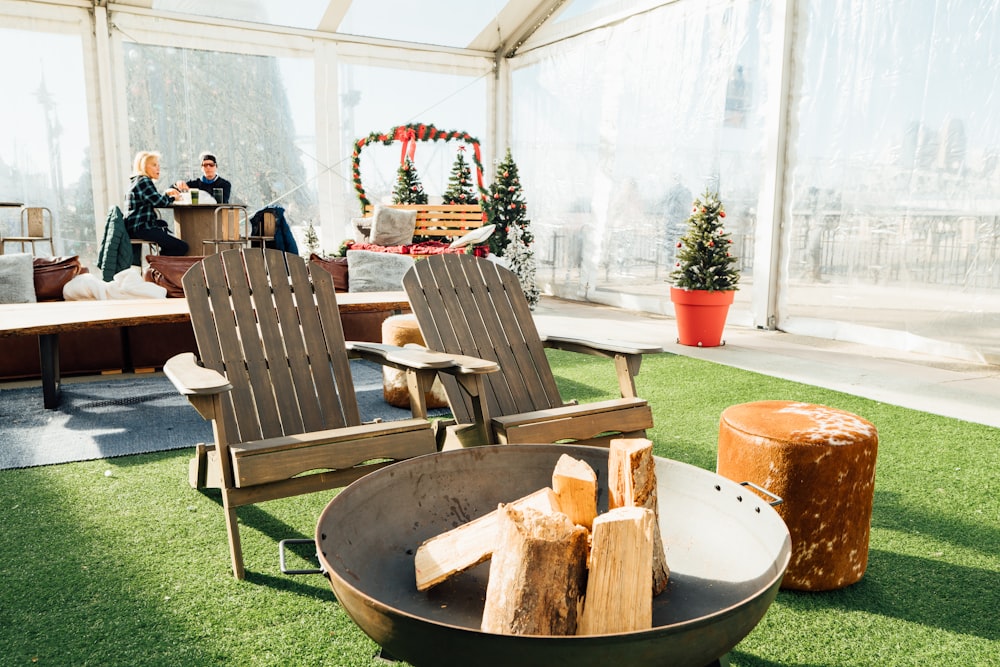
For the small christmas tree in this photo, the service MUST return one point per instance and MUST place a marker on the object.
(408, 188)
(704, 257)
(505, 207)
(311, 239)
(521, 260)
(460, 182)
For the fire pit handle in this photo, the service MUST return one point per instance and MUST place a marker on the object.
(759, 489)
(281, 557)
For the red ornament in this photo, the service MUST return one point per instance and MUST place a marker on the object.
(722, 214)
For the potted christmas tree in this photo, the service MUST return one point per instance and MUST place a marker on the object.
(512, 237)
(460, 182)
(704, 277)
(409, 189)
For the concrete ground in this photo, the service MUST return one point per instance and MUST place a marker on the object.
(958, 389)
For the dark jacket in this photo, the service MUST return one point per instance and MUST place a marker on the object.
(283, 238)
(116, 246)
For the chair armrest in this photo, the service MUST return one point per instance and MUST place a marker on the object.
(415, 357)
(627, 356)
(598, 347)
(192, 379)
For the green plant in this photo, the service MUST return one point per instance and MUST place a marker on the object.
(704, 257)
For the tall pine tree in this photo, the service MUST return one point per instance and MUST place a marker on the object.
(409, 189)
(704, 257)
(460, 182)
(506, 208)
(520, 259)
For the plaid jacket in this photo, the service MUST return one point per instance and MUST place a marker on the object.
(141, 203)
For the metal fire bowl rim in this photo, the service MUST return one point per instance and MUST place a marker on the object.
(769, 588)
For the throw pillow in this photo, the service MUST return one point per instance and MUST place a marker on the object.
(17, 279)
(336, 267)
(376, 271)
(392, 226)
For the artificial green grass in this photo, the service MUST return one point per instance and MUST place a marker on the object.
(133, 568)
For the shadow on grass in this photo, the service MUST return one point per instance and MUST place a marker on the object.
(893, 514)
(750, 660)
(923, 591)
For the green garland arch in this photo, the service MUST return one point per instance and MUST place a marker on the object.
(409, 134)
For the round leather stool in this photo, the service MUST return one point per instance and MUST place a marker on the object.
(821, 461)
(400, 330)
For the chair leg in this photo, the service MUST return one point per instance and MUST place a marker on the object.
(233, 530)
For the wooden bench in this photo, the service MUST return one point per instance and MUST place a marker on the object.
(48, 319)
(444, 222)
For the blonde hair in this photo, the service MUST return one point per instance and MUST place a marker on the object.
(141, 162)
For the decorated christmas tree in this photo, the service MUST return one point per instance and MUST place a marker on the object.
(408, 188)
(520, 258)
(505, 207)
(704, 257)
(460, 182)
(311, 238)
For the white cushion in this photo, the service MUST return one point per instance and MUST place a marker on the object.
(475, 237)
(392, 226)
(17, 278)
(369, 271)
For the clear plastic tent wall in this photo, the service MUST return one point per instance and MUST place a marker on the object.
(868, 211)
(855, 143)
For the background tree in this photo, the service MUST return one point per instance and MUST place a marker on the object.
(460, 182)
(704, 258)
(505, 207)
(409, 189)
(520, 258)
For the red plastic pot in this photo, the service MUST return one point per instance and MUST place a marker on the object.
(701, 315)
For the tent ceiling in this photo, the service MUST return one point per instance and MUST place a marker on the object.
(483, 25)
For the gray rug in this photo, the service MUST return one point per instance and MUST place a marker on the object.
(131, 414)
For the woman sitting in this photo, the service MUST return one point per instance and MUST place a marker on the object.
(141, 220)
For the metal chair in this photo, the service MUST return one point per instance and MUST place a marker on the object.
(36, 227)
(153, 248)
(230, 229)
(268, 224)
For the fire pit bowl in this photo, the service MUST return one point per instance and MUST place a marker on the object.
(726, 547)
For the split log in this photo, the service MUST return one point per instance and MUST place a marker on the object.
(468, 545)
(575, 483)
(619, 595)
(537, 575)
(632, 483)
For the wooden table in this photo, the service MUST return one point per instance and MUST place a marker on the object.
(50, 318)
(194, 224)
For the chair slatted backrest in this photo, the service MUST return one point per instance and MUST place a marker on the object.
(475, 307)
(271, 325)
(36, 222)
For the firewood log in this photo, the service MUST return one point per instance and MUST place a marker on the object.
(461, 548)
(632, 482)
(537, 575)
(619, 595)
(575, 482)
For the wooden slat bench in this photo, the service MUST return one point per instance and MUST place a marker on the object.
(48, 319)
(442, 222)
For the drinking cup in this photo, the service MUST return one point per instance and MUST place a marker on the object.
(194, 196)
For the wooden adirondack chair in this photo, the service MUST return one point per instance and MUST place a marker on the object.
(276, 383)
(475, 307)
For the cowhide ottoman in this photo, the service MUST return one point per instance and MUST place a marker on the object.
(821, 461)
(401, 330)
